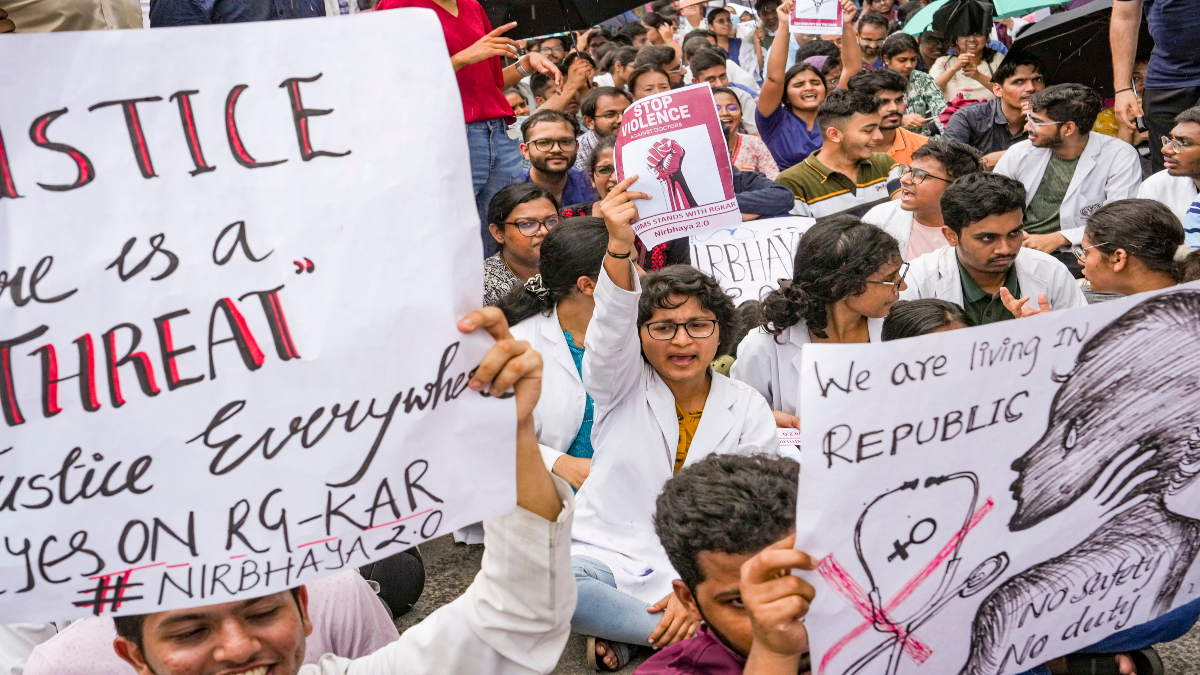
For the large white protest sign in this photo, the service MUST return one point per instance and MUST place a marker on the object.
(749, 260)
(674, 143)
(228, 354)
(817, 17)
(984, 500)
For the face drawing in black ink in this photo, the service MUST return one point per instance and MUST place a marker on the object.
(1133, 397)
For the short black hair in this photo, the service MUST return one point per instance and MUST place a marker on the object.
(655, 55)
(913, 318)
(727, 503)
(957, 158)
(685, 281)
(540, 84)
(817, 48)
(653, 20)
(1189, 115)
(706, 59)
(633, 30)
(695, 41)
(842, 104)
(873, 18)
(1145, 228)
(587, 107)
(548, 115)
(898, 43)
(907, 10)
(130, 627)
(712, 13)
(1008, 67)
(761, 5)
(976, 196)
(1069, 102)
(872, 82)
(624, 56)
(511, 196)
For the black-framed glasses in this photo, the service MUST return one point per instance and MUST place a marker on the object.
(609, 116)
(903, 272)
(696, 329)
(530, 227)
(605, 170)
(545, 144)
(1175, 144)
(551, 50)
(918, 176)
(1081, 252)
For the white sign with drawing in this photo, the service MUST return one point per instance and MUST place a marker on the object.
(817, 17)
(749, 260)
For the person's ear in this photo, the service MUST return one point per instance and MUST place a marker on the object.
(586, 285)
(950, 236)
(835, 134)
(684, 596)
(997, 89)
(590, 123)
(130, 654)
(1119, 259)
(497, 231)
(302, 603)
(1069, 128)
(525, 151)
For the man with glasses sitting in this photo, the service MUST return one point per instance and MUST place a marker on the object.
(601, 110)
(1177, 187)
(551, 149)
(1069, 171)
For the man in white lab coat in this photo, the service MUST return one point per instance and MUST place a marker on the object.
(1069, 171)
(985, 268)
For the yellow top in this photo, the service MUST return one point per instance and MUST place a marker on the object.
(688, 421)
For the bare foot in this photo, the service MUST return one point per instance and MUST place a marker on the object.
(606, 655)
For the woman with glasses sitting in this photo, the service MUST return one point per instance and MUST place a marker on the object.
(658, 407)
(1133, 246)
(746, 152)
(847, 275)
(519, 216)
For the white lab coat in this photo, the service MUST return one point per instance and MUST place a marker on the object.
(772, 365)
(635, 436)
(936, 275)
(559, 412)
(1109, 169)
(892, 219)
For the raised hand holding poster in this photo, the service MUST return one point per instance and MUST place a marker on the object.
(673, 142)
(228, 355)
(817, 17)
(987, 499)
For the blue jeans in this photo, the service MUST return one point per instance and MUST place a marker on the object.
(605, 612)
(495, 163)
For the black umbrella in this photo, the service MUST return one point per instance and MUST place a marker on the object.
(960, 18)
(1074, 46)
(543, 17)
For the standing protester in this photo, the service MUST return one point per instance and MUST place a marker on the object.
(915, 220)
(191, 13)
(889, 87)
(746, 152)
(601, 109)
(924, 99)
(550, 146)
(709, 66)
(983, 213)
(997, 125)
(520, 215)
(846, 175)
(1068, 170)
(1173, 78)
(45, 16)
(786, 114)
(1177, 186)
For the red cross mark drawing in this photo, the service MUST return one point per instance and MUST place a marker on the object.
(839, 579)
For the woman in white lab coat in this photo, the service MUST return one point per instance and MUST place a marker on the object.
(846, 276)
(659, 407)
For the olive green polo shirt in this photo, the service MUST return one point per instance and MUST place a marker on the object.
(983, 307)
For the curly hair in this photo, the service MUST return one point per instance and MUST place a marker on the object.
(833, 261)
(684, 281)
(727, 503)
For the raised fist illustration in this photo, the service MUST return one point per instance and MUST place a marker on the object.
(666, 160)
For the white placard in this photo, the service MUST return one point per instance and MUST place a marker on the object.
(749, 260)
(227, 228)
(817, 17)
(968, 493)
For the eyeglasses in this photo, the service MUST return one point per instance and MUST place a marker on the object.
(1175, 144)
(545, 144)
(870, 42)
(1081, 252)
(678, 70)
(918, 176)
(551, 50)
(605, 170)
(732, 108)
(530, 227)
(903, 272)
(696, 329)
(1029, 118)
(609, 116)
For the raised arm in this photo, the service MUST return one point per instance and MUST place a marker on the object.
(1123, 39)
(851, 53)
(772, 92)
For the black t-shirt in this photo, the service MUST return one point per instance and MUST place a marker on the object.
(1175, 27)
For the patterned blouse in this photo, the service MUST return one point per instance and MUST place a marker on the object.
(751, 151)
(497, 279)
(925, 98)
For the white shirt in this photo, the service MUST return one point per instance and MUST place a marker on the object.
(892, 219)
(603, 80)
(559, 412)
(936, 275)
(635, 436)
(1109, 169)
(1177, 192)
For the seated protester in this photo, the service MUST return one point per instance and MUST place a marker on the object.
(847, 174)
(983, 213)
(913, 318)
(551, 312)
(747, 320)
(915, 220)
(933, 46)
(348, 620)
(702, 40)
(708, 65)
(648, 80)
(601, 108)
(889, 86)
(551, 148)
(664, 57)
(1068, 170)
(847, 275)
(969, 73)
(786, 114)
(659, 407)
(924, 100)
(513, 618)
(519, 217)
(603, 171)
(726, 521)
(517, 100)
(746, 152)
(620, 65)
(1133, 246)
(1177, 187)
(997, 125)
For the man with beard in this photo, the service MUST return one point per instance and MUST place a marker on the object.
(889, 87)
(871, 31)
(982, 215)
(994, 126)
(1177, 187)
(1069, 171)
(602, 108)
(550, 147)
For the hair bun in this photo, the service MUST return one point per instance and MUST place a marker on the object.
(1182, 252)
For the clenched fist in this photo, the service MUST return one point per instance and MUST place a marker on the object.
(665, 158)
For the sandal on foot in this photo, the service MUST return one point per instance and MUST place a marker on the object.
(623, 651)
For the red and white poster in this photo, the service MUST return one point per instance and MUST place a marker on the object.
(817, 17)
(673, 142)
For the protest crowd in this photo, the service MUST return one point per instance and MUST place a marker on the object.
(950, 184)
